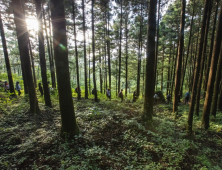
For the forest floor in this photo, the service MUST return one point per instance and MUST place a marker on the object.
(112, 136)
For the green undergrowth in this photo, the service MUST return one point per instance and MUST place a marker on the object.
(112, 136)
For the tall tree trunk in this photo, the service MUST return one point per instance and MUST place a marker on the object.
(157, 43)
(94, 57)
(120, 46)
(23, 39)
(105, 34)
(89, 72)
(174, 70)
(188, 49)
(168, 76)
(195, 59)
(139, 54)
(219, 104)
(116, 79)
(84, 44)
(179, 58)
(100, 72)
(150, 61)
(76, 50)
(48, 46)
(33, 64)
(217, 86)
(22, 67)
(104, 60)
(203, 59)
(192, 60)
(197, 70)
(211, 51)
(7, 62)
(42, 54)
(69, 125)
(108, 50)
(161, 84)
(126, 31)
(52, 56)
(212, 75)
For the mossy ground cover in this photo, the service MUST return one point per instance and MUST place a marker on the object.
(112, 136)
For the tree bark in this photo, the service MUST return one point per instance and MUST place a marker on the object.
(105, 69)
(211, 51)
(139, 54)
(217, 86)
(76, 50)
(179, 58)
(108, 51)
(94, 58)
(116, 79)
(7, 62)
(33, 64)
(120, 46)
(212, 75)
(89, 72)
(161, 84)
(188, 49)
(100, 72)
(219, 104)
(42, 54)
(157, 43)
(69, 125)
(126, 31)
(48, 47)
(203, 59)
(52, 56)
(150, 62)
(84, 44)
(197, 69)
(23, 38)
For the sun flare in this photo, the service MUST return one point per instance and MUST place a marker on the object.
(32, 24)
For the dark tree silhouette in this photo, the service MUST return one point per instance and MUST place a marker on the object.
(69, 125)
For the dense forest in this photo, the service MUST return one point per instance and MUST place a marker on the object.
(111, 84)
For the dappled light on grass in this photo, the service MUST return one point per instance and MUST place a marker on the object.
(112, 136)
